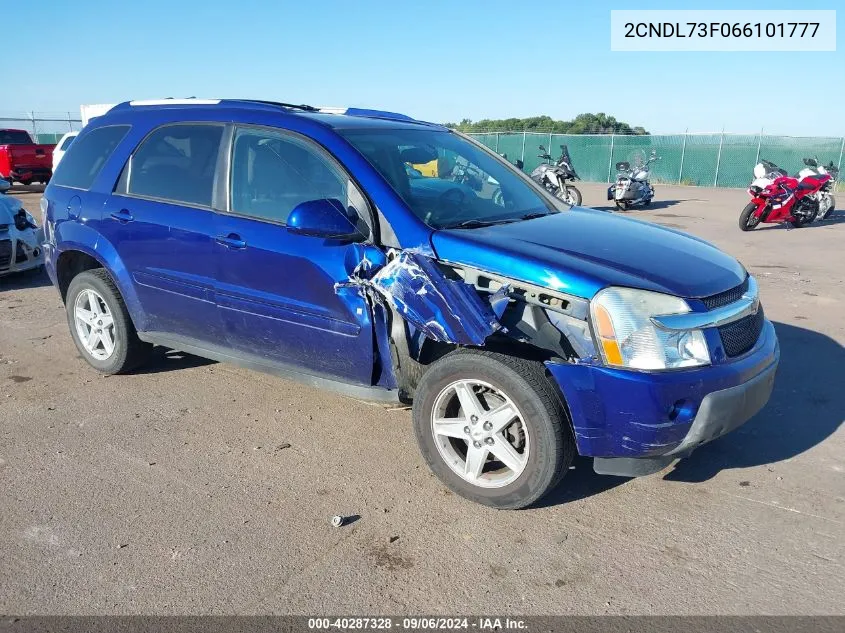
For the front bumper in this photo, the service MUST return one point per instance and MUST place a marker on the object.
(20, 250)
(30, 174)
(622, 416)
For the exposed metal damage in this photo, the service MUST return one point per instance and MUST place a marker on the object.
(417, 301)
(20, 238)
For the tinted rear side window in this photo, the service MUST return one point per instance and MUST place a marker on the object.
(177, 163)
(87, 156)
(14, 137)
(66, 143)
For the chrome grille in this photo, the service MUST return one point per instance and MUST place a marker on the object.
(5, 253)
(740, 336)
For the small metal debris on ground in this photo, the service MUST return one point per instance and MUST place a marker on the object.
(337, 520)
(393, 539)
(282, 446)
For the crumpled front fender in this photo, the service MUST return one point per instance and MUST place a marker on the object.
(445, 310)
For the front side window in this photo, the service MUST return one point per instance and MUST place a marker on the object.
(273, 172)
(175, 163)
(87, 156)
(446, 180)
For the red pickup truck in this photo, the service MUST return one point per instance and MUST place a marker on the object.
(22, 160)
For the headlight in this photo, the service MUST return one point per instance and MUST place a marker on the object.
(628, 338)
(24, 221)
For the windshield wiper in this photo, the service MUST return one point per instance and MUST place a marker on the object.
(477, 224)
(538, 214)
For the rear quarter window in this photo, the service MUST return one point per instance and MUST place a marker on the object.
(87, 155)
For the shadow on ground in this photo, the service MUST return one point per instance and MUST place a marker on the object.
(579, 483)
(835, 217)
(655, 205)
(164, 360)
(19, 188)
(36, 278)
(806, 407)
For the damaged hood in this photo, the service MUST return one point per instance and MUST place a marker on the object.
(581, 251)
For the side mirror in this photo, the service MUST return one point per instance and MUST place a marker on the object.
(324, 218)
(542, 149)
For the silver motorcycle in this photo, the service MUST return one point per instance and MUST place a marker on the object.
(632, 187)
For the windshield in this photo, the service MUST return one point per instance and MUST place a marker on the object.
(447, 181)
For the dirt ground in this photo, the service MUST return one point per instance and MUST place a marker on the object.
(197, 487)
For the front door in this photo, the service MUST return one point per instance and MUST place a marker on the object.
(276, 290)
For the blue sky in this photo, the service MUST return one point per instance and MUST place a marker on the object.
(432, 59)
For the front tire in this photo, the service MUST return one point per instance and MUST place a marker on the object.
(572, 196)
(100, 324)
(492, 428)
(621, 205)
(747, 220)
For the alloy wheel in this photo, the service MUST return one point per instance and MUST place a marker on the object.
(480, 433)
(94, 324)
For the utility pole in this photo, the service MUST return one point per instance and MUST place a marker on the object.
(719, 157)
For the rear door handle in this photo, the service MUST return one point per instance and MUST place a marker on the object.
(122, 216)
(233, 240)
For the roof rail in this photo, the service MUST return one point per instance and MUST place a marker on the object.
(171, 101)
(358, 112)
(367, 112)
(281, 104)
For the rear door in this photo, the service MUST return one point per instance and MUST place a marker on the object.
(276, 290)
(160, 221)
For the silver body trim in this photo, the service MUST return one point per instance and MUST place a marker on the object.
(748, 304)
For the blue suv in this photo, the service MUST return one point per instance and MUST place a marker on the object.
(394, 260)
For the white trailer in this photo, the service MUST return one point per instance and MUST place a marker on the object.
(91, 111)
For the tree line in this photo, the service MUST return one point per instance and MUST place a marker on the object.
(582, 124)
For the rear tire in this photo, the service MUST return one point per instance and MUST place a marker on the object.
(800, 222)
(830, 209)
(538, 426)
(747, 220)
(127, 350)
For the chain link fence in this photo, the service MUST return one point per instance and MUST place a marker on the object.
(44, 127)
(706, 160)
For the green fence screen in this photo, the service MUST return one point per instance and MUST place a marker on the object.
(706, 160)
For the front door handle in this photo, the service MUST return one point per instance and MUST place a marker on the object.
(233, 240)
(123, 216)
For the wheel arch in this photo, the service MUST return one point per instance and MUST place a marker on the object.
(76, 257)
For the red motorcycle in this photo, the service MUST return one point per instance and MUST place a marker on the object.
(779, 197)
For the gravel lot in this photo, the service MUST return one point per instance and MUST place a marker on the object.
(197, 487)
